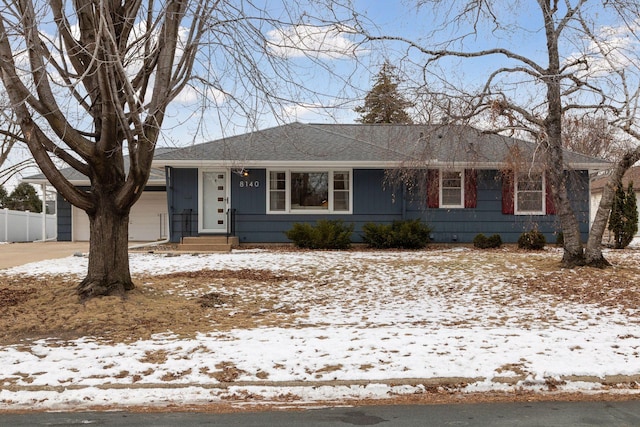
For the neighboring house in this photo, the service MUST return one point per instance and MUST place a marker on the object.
(597, 186)
(147, 220)
(257, 185)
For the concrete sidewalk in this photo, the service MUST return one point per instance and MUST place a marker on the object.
(14, 254)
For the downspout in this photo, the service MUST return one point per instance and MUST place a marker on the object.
(156, 243)
(404, 201)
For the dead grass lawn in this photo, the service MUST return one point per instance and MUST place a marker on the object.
(185, 304)
(179, 303)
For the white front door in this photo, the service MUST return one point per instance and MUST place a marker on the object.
(214, 201)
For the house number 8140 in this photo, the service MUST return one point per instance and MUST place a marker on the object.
(249, 184)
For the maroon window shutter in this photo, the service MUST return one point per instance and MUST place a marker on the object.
(433, 188)
(508, 189)
(548, 197)
(470, 188)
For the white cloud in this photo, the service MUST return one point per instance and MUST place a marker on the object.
(615, 49)
(308, 40)
(300, 111)
(316, 113)
(191, 95)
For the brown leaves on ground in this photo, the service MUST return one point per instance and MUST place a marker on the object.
(178, 303)
(612, 287)
(10, 297)
(215, 301)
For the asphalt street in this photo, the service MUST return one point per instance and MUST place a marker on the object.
(519, 414)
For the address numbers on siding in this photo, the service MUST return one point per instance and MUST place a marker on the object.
(249, 184)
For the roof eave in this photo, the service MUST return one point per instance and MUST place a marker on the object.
(354, 164)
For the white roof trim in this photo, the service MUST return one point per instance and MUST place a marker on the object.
(350, 164)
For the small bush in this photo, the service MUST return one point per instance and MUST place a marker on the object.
(483, 242)
(532, 240)
(407, 234)
(560, 240)
(326, 234)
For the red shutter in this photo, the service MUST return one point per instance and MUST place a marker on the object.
(508, 192)
(470, 188)
(433, 188)
(548, 197)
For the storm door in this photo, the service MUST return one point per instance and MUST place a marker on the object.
(214, 199)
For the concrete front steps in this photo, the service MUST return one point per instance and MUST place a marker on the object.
(208, 244)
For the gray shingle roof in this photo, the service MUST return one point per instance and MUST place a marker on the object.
(361, 143)
(631, 175)
(156, 175)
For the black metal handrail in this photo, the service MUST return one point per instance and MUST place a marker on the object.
(185, 224)
(231, 223)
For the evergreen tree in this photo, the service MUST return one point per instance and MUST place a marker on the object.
(24, 198)
(623, 221)
(383, 103)
(3, 197)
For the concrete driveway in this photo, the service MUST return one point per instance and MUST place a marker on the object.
(14, 254)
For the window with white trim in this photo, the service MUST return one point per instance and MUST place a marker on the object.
(312, 191)
(277, 191)
(341, 191)
(451, 189)
(529, 194)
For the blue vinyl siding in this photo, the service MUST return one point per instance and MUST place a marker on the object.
(372, 197)
(251, 196)
(462, 225)
(182, 197)
(373, 201)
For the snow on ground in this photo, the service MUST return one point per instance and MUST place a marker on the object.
(423, 319)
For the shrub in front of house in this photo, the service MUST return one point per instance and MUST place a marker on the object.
(532, 240)
(483, 242)
(326, 234)
(407, 234)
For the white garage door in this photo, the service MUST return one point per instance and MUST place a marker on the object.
(147, 221)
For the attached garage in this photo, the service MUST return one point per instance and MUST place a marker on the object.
(148, 218)
(147, 221)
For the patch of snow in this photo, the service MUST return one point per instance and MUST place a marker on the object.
(451, 325)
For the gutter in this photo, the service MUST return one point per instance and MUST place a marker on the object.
(149, 244)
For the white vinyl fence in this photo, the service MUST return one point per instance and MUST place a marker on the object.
(17, 226)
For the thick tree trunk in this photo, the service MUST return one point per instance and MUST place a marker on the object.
(573, 250)
(108, 272)
(573, 254)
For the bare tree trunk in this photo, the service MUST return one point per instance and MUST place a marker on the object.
(593, 253)
(573, 254)
(108, 272)
(573, 250)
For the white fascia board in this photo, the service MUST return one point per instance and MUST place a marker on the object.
(35, 181)
(309, 164)
(591, 166)
(270, 164)
(275, 164)
(86, 182)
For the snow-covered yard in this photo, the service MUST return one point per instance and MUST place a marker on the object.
(367, 324)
